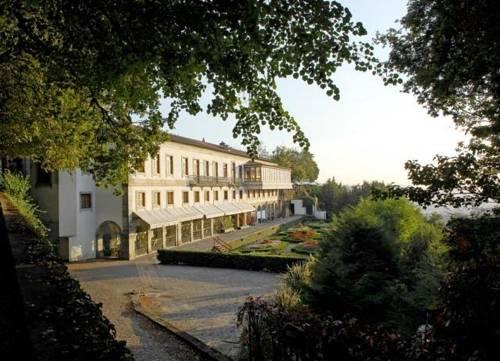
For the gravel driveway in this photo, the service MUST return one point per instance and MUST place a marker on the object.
(201, 301)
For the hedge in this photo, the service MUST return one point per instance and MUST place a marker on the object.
(64, 322)
(227, 260)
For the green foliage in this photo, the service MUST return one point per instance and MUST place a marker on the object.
(17, 187)
(293, 283)
(228, 260)
(66, 323)
(448, 53)
(270, 332)
(469, 322)
(383, 263)
(334, 197)
(15, 184)
(81, 84)
(304, 167)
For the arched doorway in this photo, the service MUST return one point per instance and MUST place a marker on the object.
(108, 242)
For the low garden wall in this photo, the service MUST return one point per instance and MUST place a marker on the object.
(227, 260)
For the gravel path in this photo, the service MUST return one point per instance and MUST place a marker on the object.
(198, 300)
(146, 340)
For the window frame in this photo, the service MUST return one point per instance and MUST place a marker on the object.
(173, 198)
(169, 160)
(137, 204)
(86, 209)
(184, 201)
(156, 196)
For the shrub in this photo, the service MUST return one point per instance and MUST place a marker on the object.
(293, 283)
(270, 332)
(469, 323)
(64, 322)
(16, 187)
(227, 260)
(382, 264)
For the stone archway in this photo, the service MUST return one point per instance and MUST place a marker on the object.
(108, 240)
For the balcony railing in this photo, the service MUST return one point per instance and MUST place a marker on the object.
(208, 181)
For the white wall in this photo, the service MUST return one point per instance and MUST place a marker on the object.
(80, 225)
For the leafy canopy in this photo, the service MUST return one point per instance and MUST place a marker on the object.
(449, 54)
(81, 81)
(304, 167)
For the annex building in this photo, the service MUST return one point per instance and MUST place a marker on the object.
(189, 191)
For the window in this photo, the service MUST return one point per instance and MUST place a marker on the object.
(240, 171)
(170, 198)
(258, 193)
(226, 195)
(185, 166)
(233, 170)
(141, 200)
(216, 169)
(197, 197)
(156, 165)
(216, 195)
(224, 170)
(42, 176)
(207, 168)
(170, 165)
(234, 194)
(156, 199)
(196, 167)
(207, 196)
(241, 194)
(253, 193)
(185, 197)
(248, 194)
(85, 200)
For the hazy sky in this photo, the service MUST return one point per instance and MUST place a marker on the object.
(368, 134)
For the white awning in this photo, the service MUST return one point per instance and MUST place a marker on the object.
(244, 207)
(209, 210)
(228, 208)
(169, 216)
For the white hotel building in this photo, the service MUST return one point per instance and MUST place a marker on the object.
(191, 190)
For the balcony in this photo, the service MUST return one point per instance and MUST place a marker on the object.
(263, 176)
(208, 181)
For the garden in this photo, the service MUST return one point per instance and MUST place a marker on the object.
(295, 240)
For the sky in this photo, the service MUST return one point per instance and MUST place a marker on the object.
(367, 135)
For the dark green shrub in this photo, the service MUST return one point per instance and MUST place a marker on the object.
(270, 332)
(382, 264)
(227, 260)
(469, 324)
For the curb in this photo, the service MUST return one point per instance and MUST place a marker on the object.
(209, 352)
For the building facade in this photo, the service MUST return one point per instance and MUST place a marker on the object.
(189, 191)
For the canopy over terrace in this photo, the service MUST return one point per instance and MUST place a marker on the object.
(169, 216)
(209, 210)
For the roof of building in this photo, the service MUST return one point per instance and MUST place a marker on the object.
(217, 147)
